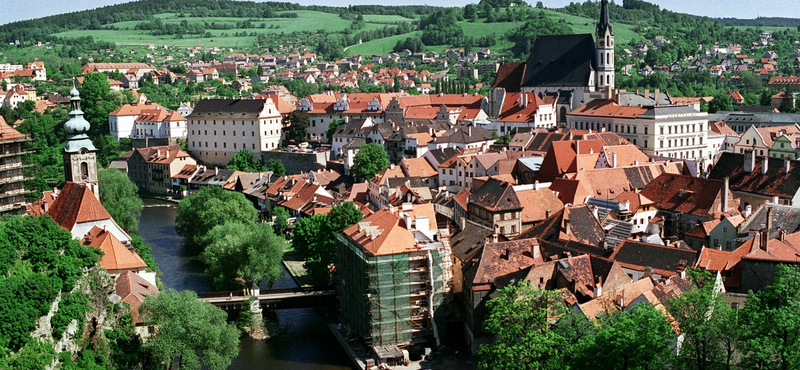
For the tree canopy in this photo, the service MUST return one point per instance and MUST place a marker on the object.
(247, 253)
(243, 161)
(315, 239)
(298, 122)
(118, 194)
(276, 167)
(189, 330)
(370, 160)
(209, 207)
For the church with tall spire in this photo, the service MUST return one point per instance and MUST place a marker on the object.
(79, 154)
(571, 69)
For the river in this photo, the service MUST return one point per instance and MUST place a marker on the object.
(303, 341)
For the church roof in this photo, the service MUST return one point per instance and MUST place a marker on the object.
(75, 203)
(116, 256)
(560, 60)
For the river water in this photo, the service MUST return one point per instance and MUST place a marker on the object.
(303, 341)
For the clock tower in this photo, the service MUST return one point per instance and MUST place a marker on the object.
(604, 48)
(80, 155)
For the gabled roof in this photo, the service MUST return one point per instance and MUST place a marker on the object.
(683, 193)
(509, 76)
(75, 203)
(784, 217)
(503, 258)
(116, 256)
(134, 109)
(418, 167)
(496, 196)
(239, 108)
(537, 204)
(776, 182)
(575, 223)
(132, 288)
(8, 133)
(664, 260)
(560, 60)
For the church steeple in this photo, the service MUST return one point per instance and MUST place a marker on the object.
(604, 47)
(80, 155)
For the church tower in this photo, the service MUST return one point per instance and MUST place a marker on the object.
(604, 46)
(80, 155)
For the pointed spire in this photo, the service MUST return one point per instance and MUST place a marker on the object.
(605, 21)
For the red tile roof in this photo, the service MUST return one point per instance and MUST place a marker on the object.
(116, 256)
(75, 203)
(132, 288)
(382, 233)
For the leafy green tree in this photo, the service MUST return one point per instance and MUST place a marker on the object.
(314, 238)
(721, 102)
(191, 331)
(298, 122)
(118, 194)
(772, 323)
(637, 338)
(249, 254)
(281, 222)
(518, 317)
(370, 160)
(209, 207)
(276, 167)
(243, 161)
(332, 129)
(701, 313)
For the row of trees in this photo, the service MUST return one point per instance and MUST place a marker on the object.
(762, 335)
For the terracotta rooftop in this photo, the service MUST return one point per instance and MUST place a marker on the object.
(381, 233)
(685, 194)
(116, 256)
(8, 133)
(132, 288)
(75, 203)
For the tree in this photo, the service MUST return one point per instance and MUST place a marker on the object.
(370, 159)
(243, 161)
(118, 194)
(518, 318)
(191, 331)
(276, 167)
(721, 102)
(298, 126)
(772, 323)
(332, 129)
(315, 239)
(281, 222)
(248, 254)
(209, 207)
(701, 315)
(638, 338)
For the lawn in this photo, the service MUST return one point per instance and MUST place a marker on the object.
(380, 18)
(379, 46)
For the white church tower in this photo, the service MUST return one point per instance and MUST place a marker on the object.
(604, 49)
(80, 155)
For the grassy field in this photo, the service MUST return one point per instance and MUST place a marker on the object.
(126, 36)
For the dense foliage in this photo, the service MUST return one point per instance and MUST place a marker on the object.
(191, 331)
(298, 123)
(241, 255)
(38, 260)
(119, 197)
(370, 160)
(314, 238)
(209, 207)
(243, 160)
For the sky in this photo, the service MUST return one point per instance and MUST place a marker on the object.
(13, 10)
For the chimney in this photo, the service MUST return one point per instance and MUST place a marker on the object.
(647, 93)
(657, 94)
(494, 239)
(469, 131)
(614, 160)
(566, 226)
(519, 101)
(45, 206)
(598, 287)
(749, 161)
(536, 251)
(547, 214)
(216, 171)
(723, 207)
(776, 200)
(764, 240)
(462, 223)
(764, 165)
(782, 235)
(787, 165)
(747, 211)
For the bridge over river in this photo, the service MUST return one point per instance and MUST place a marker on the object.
(275, 299)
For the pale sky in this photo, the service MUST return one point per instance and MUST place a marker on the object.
(13, 10)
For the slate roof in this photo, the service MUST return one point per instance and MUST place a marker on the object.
(664, 260)
(783, 218)
(583, 227)
(496, 196)
(465, 243)
(441, 155)
(776, 182)
(238, 108)
(560, 60)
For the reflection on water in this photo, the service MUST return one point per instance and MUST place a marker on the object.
(303, 341)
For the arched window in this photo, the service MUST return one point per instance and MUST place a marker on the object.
(563, 114)
(608, 40)
(84, 170)
(608, 80)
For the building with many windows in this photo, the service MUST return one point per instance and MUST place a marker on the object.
(12, 179)
(676, 131)
(218, 128)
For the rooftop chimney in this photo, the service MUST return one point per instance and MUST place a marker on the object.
(782, 235)
(614, 160)
(494, 239)
(749, 161)
(598, 287)
(723, 207)
(657, 94)
(787, 165)
(764, 165)
(566, 226)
